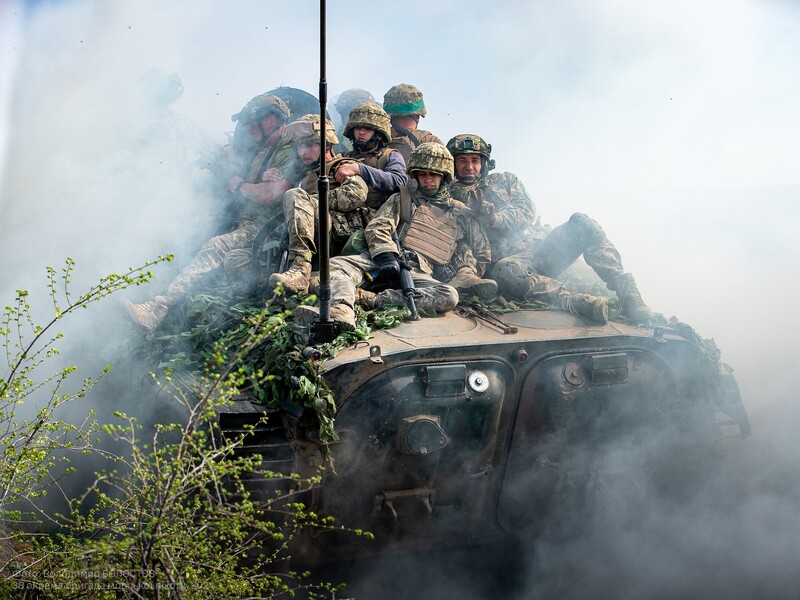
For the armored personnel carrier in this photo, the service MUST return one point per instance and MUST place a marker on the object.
(468, 428)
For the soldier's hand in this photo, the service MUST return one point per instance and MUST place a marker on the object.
(488, 212)
(346, 170)
(272, 174)
(460, 208)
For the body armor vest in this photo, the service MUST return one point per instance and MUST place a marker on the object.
(432, 232)
(404, 140)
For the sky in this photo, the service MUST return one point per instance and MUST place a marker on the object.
(673, 124)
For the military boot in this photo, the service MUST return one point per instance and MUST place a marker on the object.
(631, 304)
(296, 278)
(313, 283)
(594, 308)
(148, 314)
(367, 300)
(343, 317)
(468, 284)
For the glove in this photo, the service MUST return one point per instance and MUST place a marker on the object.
(387, 267)
(488, 212)
(460, 208)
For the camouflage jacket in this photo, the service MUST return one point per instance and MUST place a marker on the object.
(283, 158)
(472, 245)
(512, 227)
(383, 170)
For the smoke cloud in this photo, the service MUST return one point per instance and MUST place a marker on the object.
(674, 126)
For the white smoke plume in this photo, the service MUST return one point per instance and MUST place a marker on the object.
(674, 125)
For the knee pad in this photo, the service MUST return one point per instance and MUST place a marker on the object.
(589, 229)
(512, 277)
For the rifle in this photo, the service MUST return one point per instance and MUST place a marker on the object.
(401, 273)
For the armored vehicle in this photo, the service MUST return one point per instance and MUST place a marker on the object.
(470, 427)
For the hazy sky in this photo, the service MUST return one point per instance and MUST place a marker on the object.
(674, 124)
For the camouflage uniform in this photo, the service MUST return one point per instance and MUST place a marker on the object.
(214, 252)
(510, 225)
(414, 216)
(527, 257)
(348, 214)
(381, 168)
(346, 207)
(406, 100)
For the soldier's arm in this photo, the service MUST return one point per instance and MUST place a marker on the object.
(378, 232)
(283, 171)
(390, 178)
(352, 194)
(479, 245)
(518, 212)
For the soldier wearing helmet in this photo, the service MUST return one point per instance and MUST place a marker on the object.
(344, 103)
(431, 232)
(405, 106)
(346, 202)
(382, 168)
(527, 256)
(257, 187)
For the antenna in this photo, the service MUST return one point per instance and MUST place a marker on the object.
(324, 331)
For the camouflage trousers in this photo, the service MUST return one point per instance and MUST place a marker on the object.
(213, 254)
(530, 275)
(347, 273)
(301, 211)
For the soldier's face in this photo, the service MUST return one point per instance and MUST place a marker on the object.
(468, 167)
(308, 153)
(254, 129)
(268, 125)
(429, 180)
(363, 134)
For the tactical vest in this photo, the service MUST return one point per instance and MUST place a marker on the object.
(432, 230)
(257, 166)
(405, 140)
(378, 160)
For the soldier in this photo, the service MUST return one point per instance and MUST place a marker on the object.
(346, 202)
(346, 102)
(275, 167)
(382, 168)
(526, 257)
(405, 106)
(265, 117)
(425, 223)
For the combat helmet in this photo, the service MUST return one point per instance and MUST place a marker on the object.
(351, 98)
(260, 107)
(369, 114)
(431, 156)
(305, 130)
(404, 99)
(469, 143)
